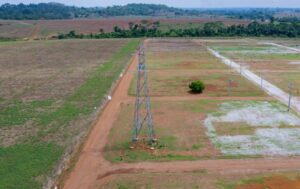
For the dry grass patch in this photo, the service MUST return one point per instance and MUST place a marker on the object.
(232, 129)
(27, 67)
(282, 80)
(176, 82)
(178, 126)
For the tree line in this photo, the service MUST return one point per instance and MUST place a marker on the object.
(61, 11)
(36, 11)
(212, 29)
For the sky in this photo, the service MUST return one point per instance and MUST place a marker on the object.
(174, 3)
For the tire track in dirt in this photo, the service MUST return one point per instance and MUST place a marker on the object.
(228, 166)
(262, 164)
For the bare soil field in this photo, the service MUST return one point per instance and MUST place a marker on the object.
(50, 94)
(27, 67)
(23, 29)
(206, 179)
(15, 29)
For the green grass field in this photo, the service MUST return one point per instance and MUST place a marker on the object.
(25, 163)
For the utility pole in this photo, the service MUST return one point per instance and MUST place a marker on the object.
(142, 113)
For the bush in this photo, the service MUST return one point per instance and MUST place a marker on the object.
(197, 86)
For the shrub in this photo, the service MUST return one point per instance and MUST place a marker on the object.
(197, 86)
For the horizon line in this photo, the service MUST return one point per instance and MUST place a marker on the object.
(232, 7)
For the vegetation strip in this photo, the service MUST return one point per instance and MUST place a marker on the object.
(210, 29)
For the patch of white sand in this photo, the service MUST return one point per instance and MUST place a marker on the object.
(295, 63)
(265, 141)
(271, 50)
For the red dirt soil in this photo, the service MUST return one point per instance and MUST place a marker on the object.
(93, 171)
(276, 182)
(93, 25)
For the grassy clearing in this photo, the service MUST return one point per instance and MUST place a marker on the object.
(257, 52)
(232, 129)
(287, 56)
(55, 121)
(172, 70)
(282, 79)
(23, 165)
(200, 59)
(18, 113)
(262, 59)
(238, 48)
(178, 126)
(175, 83)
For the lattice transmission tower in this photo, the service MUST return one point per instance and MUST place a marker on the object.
(142, 113)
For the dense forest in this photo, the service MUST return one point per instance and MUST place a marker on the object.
(60, 11)
(214, 29)
(37, 11)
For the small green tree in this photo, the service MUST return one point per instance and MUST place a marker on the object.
(197, 86)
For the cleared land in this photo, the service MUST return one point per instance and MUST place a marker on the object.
(275, 64)
(174, 64)
(15, 29)
(50, 93)
(47, 28)
(208, 141)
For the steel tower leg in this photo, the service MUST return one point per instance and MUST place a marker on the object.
(142, 113)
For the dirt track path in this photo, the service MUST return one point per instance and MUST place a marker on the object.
(222, 165)
(93, 171)
(283, 46)
(91, 160)
(35, 33)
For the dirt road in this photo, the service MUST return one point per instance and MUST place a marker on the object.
(91, 160)
(283, 46)
(93, 171)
